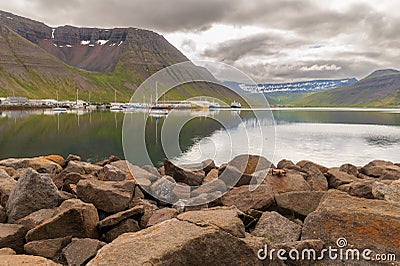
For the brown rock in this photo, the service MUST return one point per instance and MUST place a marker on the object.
(55, 158)
(141, 176)
(111, 173)
(302, 202)
(111, 159)
(224, 218)
(74, 167)
(12, 236)
(372, 224)
(126, 226)
(176, 242)
(315, 178)
(349, 168)
(281, 184)
(111, 197)
(33, 192)
(115, 219)
(249, 164)
(287, 164)
(49, 248)
(80, 251)
(34, 219)
(308, 164)
(149, 208)
(336, 178)
(214, 186)
(7, 251)
(386, 192)
(39, 164)
(212, 175)
(361, 189)
(163, 190)
(17, 260)
(277, 228)
(314, 244)
(73, 218)
(233, 177)
(162, 215)
(260, 199)
(182, 175)
(380, 168)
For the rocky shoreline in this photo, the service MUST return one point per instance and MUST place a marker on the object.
(56, 210)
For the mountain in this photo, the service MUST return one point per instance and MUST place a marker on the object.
(379, 89)
(285, 93)
(37, 60)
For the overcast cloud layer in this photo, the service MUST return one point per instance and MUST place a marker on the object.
(272, 41)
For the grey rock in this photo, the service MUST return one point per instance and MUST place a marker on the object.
(33, 192)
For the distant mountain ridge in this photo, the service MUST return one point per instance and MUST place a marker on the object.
(285, 93)
(379, 89)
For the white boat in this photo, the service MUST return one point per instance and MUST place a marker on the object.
(236, 104)
(59, 110)
(116, 108)
(158, 112)
(215, 106)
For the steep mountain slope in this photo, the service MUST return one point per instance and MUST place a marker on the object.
(37, 60)
(380, 89)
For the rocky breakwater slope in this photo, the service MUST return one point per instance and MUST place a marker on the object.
(65, 211)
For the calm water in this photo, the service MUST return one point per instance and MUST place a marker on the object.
(327, 136)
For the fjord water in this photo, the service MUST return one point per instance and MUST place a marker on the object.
(327, 136)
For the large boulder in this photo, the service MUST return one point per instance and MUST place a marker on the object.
(111, 197)
(175, 242)
(48, 248)
(80, 251)
(33, 192)
(382, 169)
(40, 164)
(18, 260)
(386, 192)
(277, 228)
(12, 236)
(182, 175)
(315, 178)
(361, 189)
(223, 217)
(163, 190)
(299, 202)
(308, 164)
(337, 178)
(73, 218)
(364, 223)
(260, 199)
(249, 164)
(292, 181)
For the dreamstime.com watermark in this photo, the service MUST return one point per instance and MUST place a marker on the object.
(340, 252)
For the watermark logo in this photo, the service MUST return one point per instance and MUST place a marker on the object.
(162, 121)
(341, 252)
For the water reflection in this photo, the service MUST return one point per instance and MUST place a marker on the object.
(328, 137)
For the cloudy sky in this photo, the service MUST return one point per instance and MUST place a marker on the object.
(272, 41)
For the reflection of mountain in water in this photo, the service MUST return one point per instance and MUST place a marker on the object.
(382, 141)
